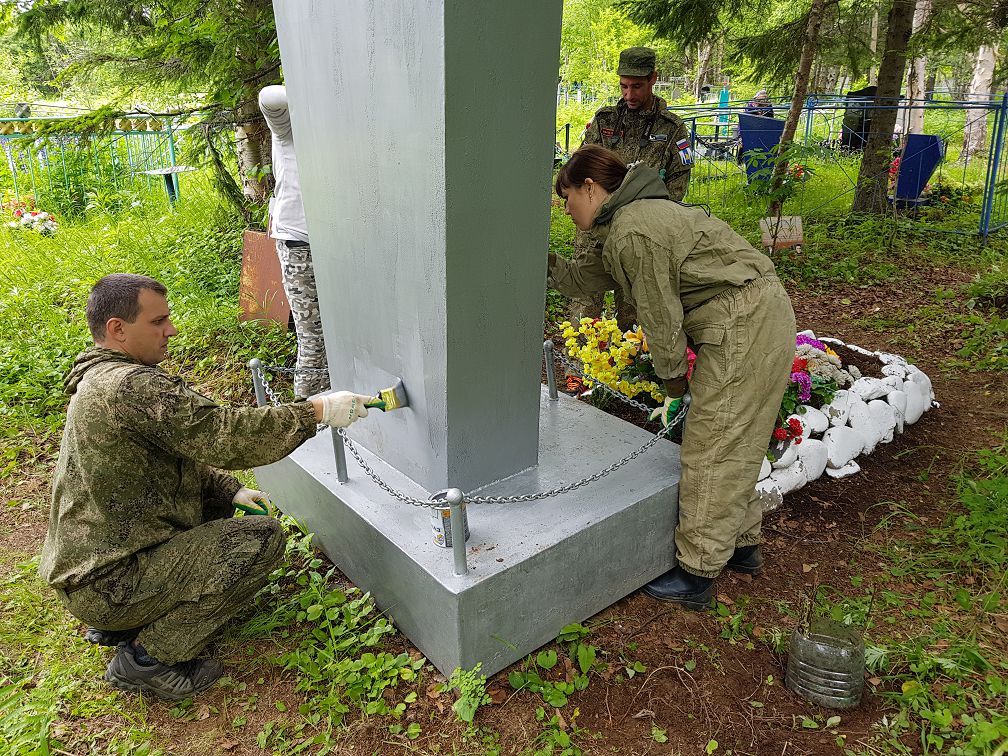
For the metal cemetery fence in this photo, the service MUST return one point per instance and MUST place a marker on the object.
(66, 173)
(967, 193)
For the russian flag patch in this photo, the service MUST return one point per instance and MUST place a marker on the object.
(685, 153)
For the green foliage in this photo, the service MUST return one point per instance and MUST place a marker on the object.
(334, 639)
(555, 737)
(535, 673)
(44, 674)
(945, 677)
(471, 687)
(45, 281)
(173, 48)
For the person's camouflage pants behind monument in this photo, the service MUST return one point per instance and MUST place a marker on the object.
(183, 591)
(626, 313)
(302, 295)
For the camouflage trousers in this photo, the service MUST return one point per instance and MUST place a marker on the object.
(302, 295)
(184, 590)
(744, 339)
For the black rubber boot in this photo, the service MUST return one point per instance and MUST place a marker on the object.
(747, 559)
(110, 637)
(681, 587)
(170, 681)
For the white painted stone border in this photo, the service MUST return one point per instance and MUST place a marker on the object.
(866, 414)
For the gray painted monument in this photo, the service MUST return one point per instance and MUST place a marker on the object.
(423, 135)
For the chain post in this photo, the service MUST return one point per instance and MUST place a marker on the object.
(340, 452)
(455, 497)
(550, 370)
(255, 366)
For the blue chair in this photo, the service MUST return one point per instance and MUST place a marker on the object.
(759, 133)
(921, 155)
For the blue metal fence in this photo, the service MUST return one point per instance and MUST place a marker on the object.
(718, 174)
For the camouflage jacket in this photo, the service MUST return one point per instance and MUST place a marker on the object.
(652, 136)
(668, 259)
(134, 467)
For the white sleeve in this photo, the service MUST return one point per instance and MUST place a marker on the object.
(273, 104)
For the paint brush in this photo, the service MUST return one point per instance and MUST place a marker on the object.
(390, 398)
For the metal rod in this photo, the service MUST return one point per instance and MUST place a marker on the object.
(992, 168)
(255, 365)
(567, 138)
(339, 450)
(455, 498)
(550, 370)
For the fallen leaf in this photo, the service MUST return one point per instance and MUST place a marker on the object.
(227, 745)
(643, 714)
(876, 681)
(808, 567)
(434, 691)
(202, 712)
(560, 721)
(1001, 623)
(724, 599)
(497, 694)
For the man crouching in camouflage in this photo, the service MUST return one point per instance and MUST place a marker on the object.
(142, 543)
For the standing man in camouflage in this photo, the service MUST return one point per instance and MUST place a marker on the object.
(639, 129)
(290, 230)
(142, 543)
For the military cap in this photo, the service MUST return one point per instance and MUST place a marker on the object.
(636, 61)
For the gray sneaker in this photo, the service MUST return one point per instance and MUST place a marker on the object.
(173, 682)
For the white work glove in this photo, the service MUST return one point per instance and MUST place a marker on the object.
(251, 501)
(340, 408)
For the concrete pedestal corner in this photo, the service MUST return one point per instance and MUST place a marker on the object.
(532, 567)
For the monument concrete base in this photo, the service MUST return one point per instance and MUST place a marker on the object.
(532, 567)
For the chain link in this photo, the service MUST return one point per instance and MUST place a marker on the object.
(604, 386)
(266, 387)
(296, 371)
(519, 498)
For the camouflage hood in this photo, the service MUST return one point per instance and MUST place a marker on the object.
(88, 359)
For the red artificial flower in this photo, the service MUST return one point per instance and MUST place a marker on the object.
(18, 213)
(798, 440)
(780, 434)
(799, 365)
(795, 424)
(602, 346)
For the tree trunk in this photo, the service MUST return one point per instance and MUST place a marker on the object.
(873, 47)
(975, 133)
(871, 193)
(254, 149)
(809, 48)
(929, 85)
(703, 58)
(918, 74)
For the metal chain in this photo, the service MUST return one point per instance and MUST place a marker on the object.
(295, 370)
(520, 498)
(378, 481)
(604, 386)
(266, 387)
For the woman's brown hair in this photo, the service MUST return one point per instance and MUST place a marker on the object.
(602, 166)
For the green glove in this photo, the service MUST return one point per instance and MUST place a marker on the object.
(668, 411)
